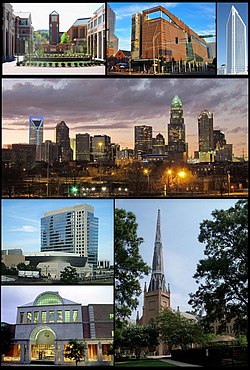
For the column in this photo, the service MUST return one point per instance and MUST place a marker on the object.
(97, 49)
(56, 352)
(22, 350)
(27, 354)
(99, 351)
(62, 353)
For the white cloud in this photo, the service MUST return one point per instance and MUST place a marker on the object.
(26, 229)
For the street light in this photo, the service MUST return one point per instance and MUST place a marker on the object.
(100, 155)
(181, 175)
(146, 172)
(154, 37)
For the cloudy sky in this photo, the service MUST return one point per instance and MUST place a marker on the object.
(68, 13)
(198, 16)
(180, 221)
(14, 296)
(21, 223)
(114, 106)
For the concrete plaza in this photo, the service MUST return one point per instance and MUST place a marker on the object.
(10, 68)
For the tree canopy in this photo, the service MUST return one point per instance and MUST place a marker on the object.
(69, 275)
(176, 330)
(223, 274)
(64, 38)
(129, 265)
(75, 350)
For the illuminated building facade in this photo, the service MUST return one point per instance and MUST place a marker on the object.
(45, 326)
(36, 130)
(176, 128)
(143, 141)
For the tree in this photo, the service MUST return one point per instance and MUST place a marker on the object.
(3, 268)
(129, 265)
(69, 275)
(64, 38)
(139, 337)
(23, 267)
(222, 275)
(176, 330)
(6, 338)
(75, 350)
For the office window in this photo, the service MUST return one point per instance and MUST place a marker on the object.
(51, 316)
(44, 316)
(36, 316)
(59, 316)
(75, 315)
(21, 317)
(29, 317)
(67, 315)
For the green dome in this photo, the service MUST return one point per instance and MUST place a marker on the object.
(176, 101)
(48, 298)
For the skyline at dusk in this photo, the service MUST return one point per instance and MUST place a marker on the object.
(114, 106)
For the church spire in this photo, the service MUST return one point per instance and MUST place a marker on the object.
(157, 281)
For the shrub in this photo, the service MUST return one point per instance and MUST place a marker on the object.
(18, 64)
(80, 64)
(56, 64)
(50, 64)
(76, 64)
(40, 64)
(62, 64)
(69, 64)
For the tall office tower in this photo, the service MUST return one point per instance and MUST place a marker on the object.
(54, 38)
(100, 146)
(176, 127)
(157, 297)
(62, 139)
(205, 131)
(136, 36)
(143, 141)
(236, 43)
(73, 230)
(112, 39)
(83, 147)
(159, 145)
(36, 130)
(219, 139)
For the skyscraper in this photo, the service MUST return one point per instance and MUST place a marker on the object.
(73, 230)
(62, 139)
(176, 127)
(157, 297)
(36, 130)
(136, 36)
(82, 147)
(236, 43)
(205, 131)
(112, 40)
(143, 141)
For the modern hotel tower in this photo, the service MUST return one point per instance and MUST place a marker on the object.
(236, 44)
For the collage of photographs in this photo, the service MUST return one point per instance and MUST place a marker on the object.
(124, 207)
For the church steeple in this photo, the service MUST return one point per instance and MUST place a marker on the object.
(157, 281)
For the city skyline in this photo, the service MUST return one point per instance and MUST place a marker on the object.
(198, 16)
(138, 102)
(179, 234)
(68, 13)
(24, 232)
(223, 11)
(14, 296)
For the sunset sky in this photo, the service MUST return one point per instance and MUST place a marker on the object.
(113, 106)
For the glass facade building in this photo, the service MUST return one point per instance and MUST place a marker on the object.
(236, 43)
(72, 230)
(176, 127)
(36, 130)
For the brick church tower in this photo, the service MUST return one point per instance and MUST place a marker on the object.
(157, 296)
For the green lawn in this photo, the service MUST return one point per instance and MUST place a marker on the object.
(147, 363)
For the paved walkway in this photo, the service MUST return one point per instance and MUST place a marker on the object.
(10, 68)
(167, 358)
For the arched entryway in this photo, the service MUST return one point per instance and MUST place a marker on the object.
(42, 344)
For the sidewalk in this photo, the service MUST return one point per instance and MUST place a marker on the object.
(10, 68)
(167, 358)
